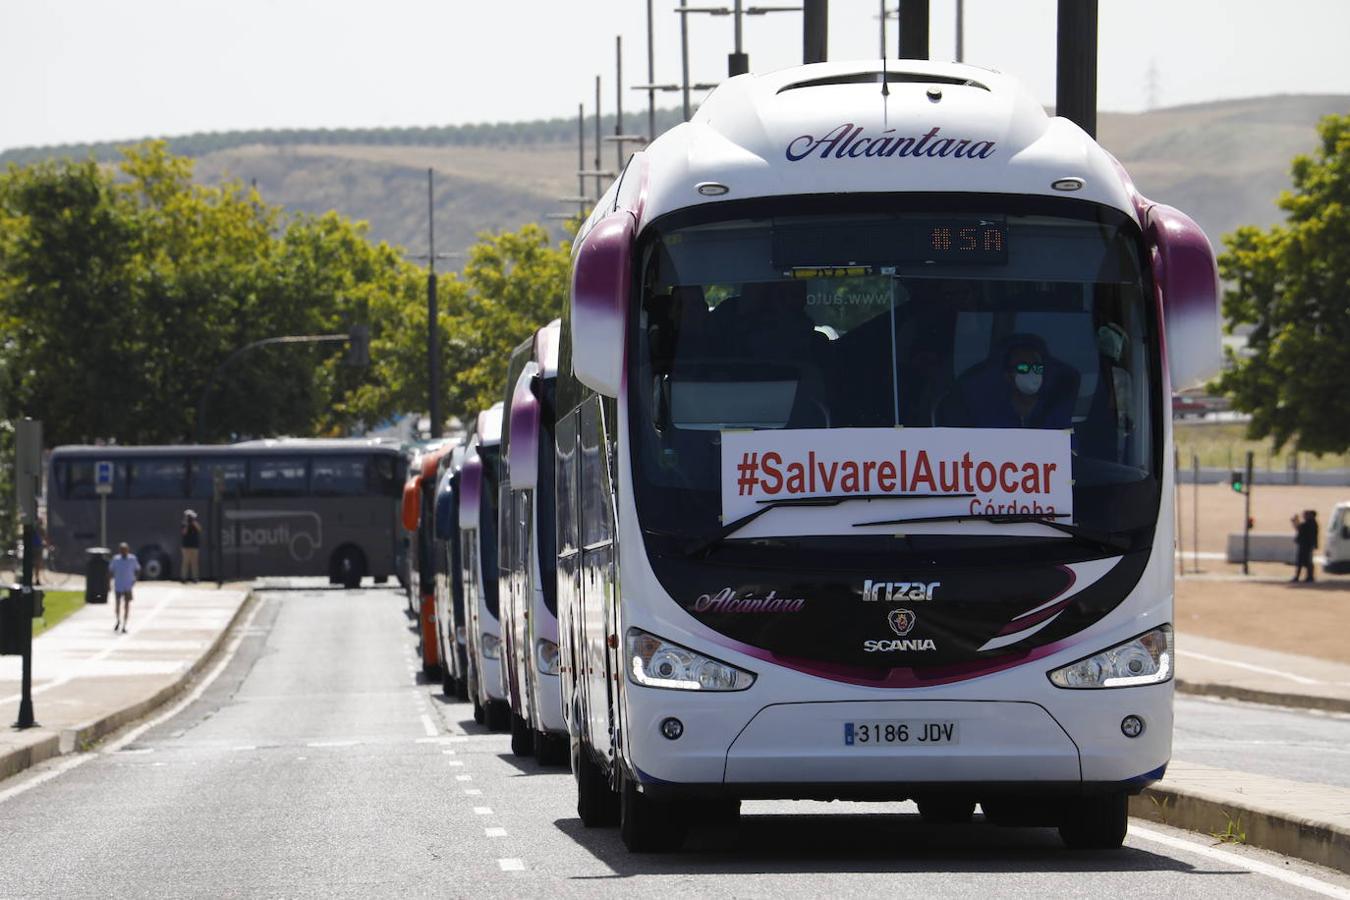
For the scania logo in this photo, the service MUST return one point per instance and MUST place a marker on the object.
(901, 621)
(899, 591)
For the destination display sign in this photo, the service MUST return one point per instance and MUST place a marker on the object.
(848, 248)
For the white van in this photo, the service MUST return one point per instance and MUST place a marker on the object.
(1337, 550)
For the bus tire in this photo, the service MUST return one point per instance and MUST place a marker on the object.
(155, 565)
(646, 825)
(522, 736)
(498, 715)
(347, 567)
(1096, 823)
(946, 810)
(550, 749)
(597, 804)
(448, 687)
(479, 714)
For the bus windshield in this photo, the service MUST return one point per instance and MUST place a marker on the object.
(982, 316)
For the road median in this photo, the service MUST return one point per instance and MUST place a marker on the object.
(1306, 821)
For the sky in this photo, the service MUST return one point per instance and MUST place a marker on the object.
(74, 71)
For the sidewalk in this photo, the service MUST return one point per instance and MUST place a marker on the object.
(89, 680)
(1221, 669)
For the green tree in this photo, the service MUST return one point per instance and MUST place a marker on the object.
(1291, 284)
(121, 292)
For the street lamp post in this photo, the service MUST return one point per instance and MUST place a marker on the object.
(433, 314)
(738, 62)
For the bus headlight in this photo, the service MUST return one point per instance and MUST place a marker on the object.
(546, 657)
(492, 646)
(1146, 659)
(654, 662)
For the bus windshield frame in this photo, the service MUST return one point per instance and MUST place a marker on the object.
(1068, 298)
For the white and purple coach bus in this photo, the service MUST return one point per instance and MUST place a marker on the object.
(863, 469)
(526, 550)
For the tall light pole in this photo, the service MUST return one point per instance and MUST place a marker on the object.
(433, 315)
(738, 62)
(815, 31)
(1076, 64)
(619, 138)
(960, 30)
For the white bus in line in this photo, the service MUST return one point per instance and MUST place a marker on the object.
(527, 553)
(863, 466)
(478, 477)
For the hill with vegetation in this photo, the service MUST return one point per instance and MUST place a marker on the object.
(1223, 162)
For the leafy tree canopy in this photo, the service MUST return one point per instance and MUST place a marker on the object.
(1291, 284)
(121, 292)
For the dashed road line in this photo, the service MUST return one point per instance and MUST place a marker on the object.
(428, 726)
(464, 778)
(453, 762)
(473, 792)
(511, 865)
(482, 810)
(494, 832)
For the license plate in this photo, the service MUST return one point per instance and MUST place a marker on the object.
(899, 732)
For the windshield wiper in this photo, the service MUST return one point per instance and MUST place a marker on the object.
(1097, 540)
(735, 525)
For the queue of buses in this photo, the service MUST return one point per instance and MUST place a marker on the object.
(845, 474)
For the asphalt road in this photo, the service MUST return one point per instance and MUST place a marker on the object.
(316, 765)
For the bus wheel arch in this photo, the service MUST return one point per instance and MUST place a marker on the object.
(155, 563)
(347, 566)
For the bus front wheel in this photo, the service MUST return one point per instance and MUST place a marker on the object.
(1096, 823)
(597, 804)
(348, 567)
(647, 825)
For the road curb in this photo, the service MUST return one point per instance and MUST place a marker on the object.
(1321, 843)
(81, 737)
(1273, 698)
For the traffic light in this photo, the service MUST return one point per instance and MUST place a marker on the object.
(358, 346)
(1238, 482)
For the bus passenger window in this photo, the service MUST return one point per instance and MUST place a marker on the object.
(276, 477)
(157, 478)
(204, 471)
(338, 476)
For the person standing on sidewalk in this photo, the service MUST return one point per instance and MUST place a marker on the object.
(191, 546)
(123, 570)
(1305, 536)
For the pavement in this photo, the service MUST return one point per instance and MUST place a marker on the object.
(90, 682)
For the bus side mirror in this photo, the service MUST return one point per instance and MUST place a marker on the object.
(1187, 277)
(601, 280)
(522, 455)
(444, 498)
(412, 503)
(470, 492)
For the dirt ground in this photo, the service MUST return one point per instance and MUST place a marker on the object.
(1220, 511)
(1306, 619)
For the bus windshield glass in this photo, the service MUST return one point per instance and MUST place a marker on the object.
(1020, 317)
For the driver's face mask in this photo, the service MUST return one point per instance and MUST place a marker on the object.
(1028, 383)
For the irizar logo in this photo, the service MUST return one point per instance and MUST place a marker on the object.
(899, 591)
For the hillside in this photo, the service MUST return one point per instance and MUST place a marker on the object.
(1223, 162)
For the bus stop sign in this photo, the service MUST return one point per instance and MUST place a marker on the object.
(103, 477)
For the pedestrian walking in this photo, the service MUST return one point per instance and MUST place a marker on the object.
(123, 570)
(191, 546)
(1305, 537)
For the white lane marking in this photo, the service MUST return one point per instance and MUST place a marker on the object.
(135, 752)
(494, 832)
(1306, 882)
(464, 778)
(448, 752)
(193, 696)
(440, 739)
(1249, 667)
(245, 747)
(511, 865)
(482, 810)
(453, 762)
(428, 726)
(473, 792)
(332, 743)
(301, 758)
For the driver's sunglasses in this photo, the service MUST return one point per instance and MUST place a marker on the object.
(1027, 368)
